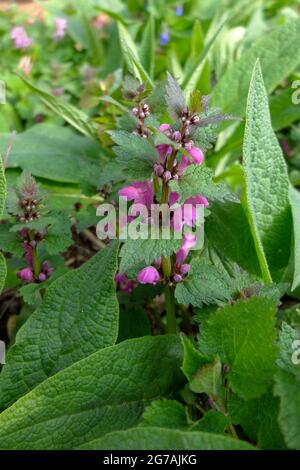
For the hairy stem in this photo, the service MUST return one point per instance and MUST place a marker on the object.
(170, 308)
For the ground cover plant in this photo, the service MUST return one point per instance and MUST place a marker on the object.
(150, 226)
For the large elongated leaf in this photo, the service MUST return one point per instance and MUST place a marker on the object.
(155, 438)
(295, 203)
(3, 271)
(78, 316)
(104, 392)
(267, 183)
(228, 230)
(279, 54)
(243, 335)
(131, 56)
(2, 199)
(68, 112)
(54, 153)
(2, 187)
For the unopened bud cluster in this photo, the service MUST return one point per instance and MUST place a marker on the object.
(141, 111)
(29, 210)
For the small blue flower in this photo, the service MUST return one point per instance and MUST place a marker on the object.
(179, 10)
(164, 38)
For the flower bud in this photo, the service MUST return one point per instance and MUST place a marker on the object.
(167, 176)
(195, 119)
(135, 111)
(176, 136)
(177, 278)
(148, 275)
(158, 169)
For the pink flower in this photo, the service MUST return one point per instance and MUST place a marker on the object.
(197, 158)
(124, 284)
(187, 213)
(189, 241)
(25, 274)
(163, 149)
(197, 155)
(140, 192)
(148, 275)
(61, 25)
(25, 65)
(20, 37)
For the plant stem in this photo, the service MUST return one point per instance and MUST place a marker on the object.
(170, 308)
(35, 261)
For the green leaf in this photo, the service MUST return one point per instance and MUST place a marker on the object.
(193, 359)
(227, 229)
(78, 316)
(165, 414)
(147, 47)
(193, 74)
(212, 421)
(136, 252)
(208, 380)
(133, 323)
(75, 117)
(3, 271)
(131, 56)
(10, 241)
(295, 204)
(2, 186)
(106, 391)
(52, 152)
(243, 335)
(135, 154)
(267, 184)
(205, 284)
(58, 238)
(198, 179)
(174, 98)
(279, 54)
(287, 387)
(155, 438)
(259, 419)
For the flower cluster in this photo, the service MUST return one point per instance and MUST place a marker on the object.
(20, 38)
(29, 203)
(61, 25)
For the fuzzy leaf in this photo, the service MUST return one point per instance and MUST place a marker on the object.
(198, 179)
(295, 203)
(2, 187)
(135, 154)
(243, 335)
(259, 419)
(212, 421)
(103, 392)
(10, 241)
(175, 99)
(155, 438)
(205, 284)
(228, 231)
(78, 316)
(267, 184)
(136, 252)
(279, 54)
(166, 414)
(3, 271)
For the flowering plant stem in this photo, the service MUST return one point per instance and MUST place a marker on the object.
(170, 308)
(35, 261)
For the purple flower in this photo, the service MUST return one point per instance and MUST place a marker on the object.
(140, 192)
(187, 213)
(61, 25)
(189, 241)
(25, 274)
(179, 10)
(20, 37)
(197, 155)
(164, 38)
(124, 284)
(148, 275)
